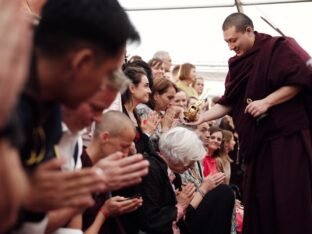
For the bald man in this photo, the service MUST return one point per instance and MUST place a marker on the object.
(115, 132)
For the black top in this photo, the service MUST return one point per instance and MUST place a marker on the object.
(159, 209)
(111, 225)
(141, 139)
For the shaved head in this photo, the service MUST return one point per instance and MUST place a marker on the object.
(115, 123)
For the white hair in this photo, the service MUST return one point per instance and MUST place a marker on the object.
(161, 54)
(181, 145)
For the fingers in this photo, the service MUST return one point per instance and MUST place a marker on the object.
(131, 160)
(52, 165)
(114, 157)
(189, 189)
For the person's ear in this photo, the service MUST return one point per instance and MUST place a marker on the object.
(82, 61)
(132, 88)
(249, 29)
(104, 136)
(156, 96)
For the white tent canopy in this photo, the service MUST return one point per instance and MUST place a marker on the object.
(191, 29)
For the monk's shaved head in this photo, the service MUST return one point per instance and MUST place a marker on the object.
(115, 123)
(239, 21)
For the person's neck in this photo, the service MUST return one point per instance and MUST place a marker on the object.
(210, 152)
(130, 106)
(187, 82)
(94, 152)
(157, 109)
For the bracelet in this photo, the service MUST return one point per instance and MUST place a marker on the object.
(104, 212)
(201, 192)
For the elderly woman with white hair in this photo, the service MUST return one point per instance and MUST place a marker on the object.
(163, 207)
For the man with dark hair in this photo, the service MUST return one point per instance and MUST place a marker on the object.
(265, 89)
(77, 45)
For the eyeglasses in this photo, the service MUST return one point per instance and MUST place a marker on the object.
(216, 138)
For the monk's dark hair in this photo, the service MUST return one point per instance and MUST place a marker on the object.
(101, 25)
(239, 20)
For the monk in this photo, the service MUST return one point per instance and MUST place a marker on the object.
(266, 93)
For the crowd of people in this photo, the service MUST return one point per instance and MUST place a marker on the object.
(94, 142)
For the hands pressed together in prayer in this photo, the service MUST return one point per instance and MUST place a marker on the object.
(149, 124)
(211, 181)
(52, 188)
(119, 171)
(186, 195)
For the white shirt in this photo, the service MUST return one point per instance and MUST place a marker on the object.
(67, 146)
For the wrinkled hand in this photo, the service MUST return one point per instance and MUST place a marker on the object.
(119, 171)
(212, 180)
(14, 56)
(52, 188)
(257, 108)
(150, 123)
(186, 195)
(117, 205)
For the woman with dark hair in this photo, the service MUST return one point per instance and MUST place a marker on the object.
(137, 92)
(162, 94)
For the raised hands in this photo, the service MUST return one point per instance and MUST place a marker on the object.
(149, 124)
(211, 181)
(119, 171)
(186, 195)
(52, 188)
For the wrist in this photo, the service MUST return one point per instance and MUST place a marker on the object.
(104, 212)
(202, 192)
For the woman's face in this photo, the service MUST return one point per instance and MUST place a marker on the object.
(192, 74)
(180, 100)
(215, 141)
(158, 71)
(141, 92)
(162, 101)
(203, 132)
(199, 86)
(180, 167)
(230, 144)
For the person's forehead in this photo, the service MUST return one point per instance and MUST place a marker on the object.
(219, 133)
(231, 33)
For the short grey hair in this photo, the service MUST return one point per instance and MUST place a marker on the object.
(181, 145)
(161, 54)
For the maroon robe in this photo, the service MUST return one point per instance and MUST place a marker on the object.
(277, 149)
(111, 225)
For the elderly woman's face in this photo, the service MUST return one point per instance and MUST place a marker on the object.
(180, 167)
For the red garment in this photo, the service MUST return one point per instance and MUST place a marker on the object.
(210, 165)
(277, 150)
